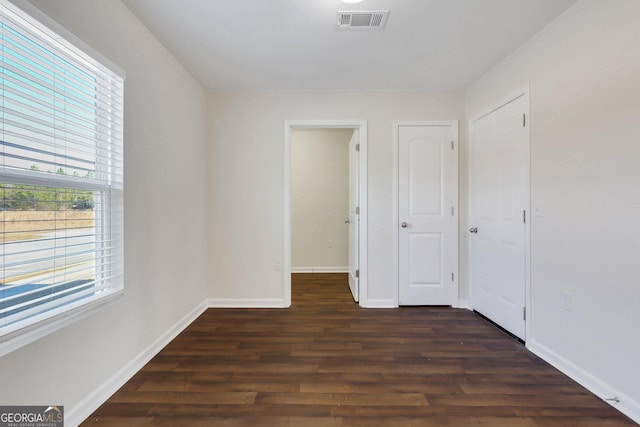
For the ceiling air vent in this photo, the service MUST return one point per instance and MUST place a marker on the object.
(362, 20)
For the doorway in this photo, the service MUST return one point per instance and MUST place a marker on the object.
(356, 219)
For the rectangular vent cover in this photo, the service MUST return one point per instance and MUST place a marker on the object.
(362, 19)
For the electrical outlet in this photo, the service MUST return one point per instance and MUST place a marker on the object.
(537, 211)
(277, 265)
(330, 243)
(565, 301)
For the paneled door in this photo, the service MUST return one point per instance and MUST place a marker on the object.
(427, 213)
(499, 202)
(354, 215)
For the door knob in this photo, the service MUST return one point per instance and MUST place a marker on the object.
(346, 221)
(473, 230)
(404, 224)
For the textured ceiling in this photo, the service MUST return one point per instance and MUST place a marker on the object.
(434, 45)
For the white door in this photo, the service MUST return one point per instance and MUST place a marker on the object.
(354, 219)
(499, 153)
(427, 214)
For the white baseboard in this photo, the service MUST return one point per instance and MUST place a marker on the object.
(245, 303)
(604, 391)
(379, 303)
(319, 269)
(463, 303)
(74, 416)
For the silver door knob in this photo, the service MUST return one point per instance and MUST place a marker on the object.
(404, 224)
(473, 230)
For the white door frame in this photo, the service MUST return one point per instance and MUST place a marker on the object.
(395, 198)
(361, 126)
(523, 91)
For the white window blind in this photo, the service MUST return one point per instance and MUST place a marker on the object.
(61, 176)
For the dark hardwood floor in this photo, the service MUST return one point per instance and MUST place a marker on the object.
(327, 362)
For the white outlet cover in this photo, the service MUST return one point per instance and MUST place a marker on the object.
(565, 301)
(537, 211)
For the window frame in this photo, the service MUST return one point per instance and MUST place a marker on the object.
(24, 332)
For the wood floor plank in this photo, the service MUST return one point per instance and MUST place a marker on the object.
(177, 397)
(580, 421)
(441, 421)
(220, 387)
(369, 413)
(377, 387)
(327, 362)
(339, 399)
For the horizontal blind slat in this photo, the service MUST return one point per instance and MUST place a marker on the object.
(60, 150)
(41, 304)
(63, 52)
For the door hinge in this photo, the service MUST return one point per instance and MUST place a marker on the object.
(452, 277)
(357, 274)
(524, 313)
(524, 216)
(357, 210)
(452, 145)
(524, 120)
(453, 211)
(357, 147)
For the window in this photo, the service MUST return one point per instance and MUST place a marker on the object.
(61, 180)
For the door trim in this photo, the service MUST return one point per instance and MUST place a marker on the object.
(395, 203)
(361, 126)
(523, 91)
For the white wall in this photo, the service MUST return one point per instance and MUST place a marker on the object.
(165, 191)
(584, 72)
(320, 199)
(246, 175)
